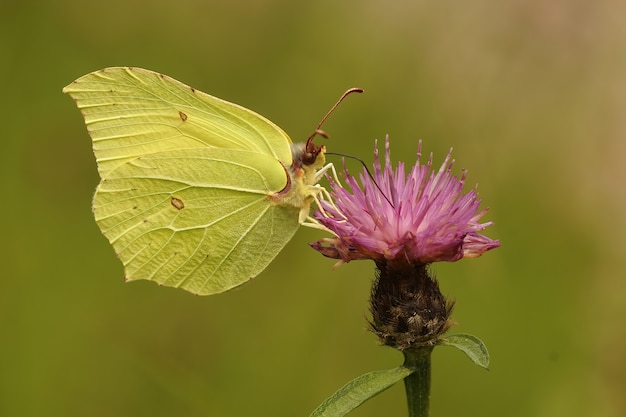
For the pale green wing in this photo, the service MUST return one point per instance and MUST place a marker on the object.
(131, 112)
(198, 219)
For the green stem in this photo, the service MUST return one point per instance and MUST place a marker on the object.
(418, 383)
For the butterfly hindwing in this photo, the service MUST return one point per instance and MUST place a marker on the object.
(196, 219)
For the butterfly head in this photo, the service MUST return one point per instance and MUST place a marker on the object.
(308, 158)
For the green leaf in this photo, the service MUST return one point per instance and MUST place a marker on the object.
(359, 390)
(473, 347)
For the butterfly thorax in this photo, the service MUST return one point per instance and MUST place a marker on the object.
(302, 177)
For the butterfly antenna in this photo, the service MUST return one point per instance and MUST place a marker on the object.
(318, 130)
(366, 170)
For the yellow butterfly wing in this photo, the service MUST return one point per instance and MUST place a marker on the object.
(131, 112)
(196, 192)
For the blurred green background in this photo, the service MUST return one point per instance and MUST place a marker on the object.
(531, 95)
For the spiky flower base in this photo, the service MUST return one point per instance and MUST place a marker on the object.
(408, 309)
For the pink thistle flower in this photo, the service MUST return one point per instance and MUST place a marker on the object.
(418, 219)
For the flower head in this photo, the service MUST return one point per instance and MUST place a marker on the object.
(420, 218)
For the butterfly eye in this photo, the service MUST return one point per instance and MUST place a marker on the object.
(310, 154)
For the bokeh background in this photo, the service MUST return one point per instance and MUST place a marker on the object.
(531, 95)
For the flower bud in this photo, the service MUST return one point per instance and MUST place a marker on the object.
(408, 309)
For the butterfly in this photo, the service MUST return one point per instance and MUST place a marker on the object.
(195, 192)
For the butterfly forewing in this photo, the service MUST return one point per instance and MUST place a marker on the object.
(131, 112)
